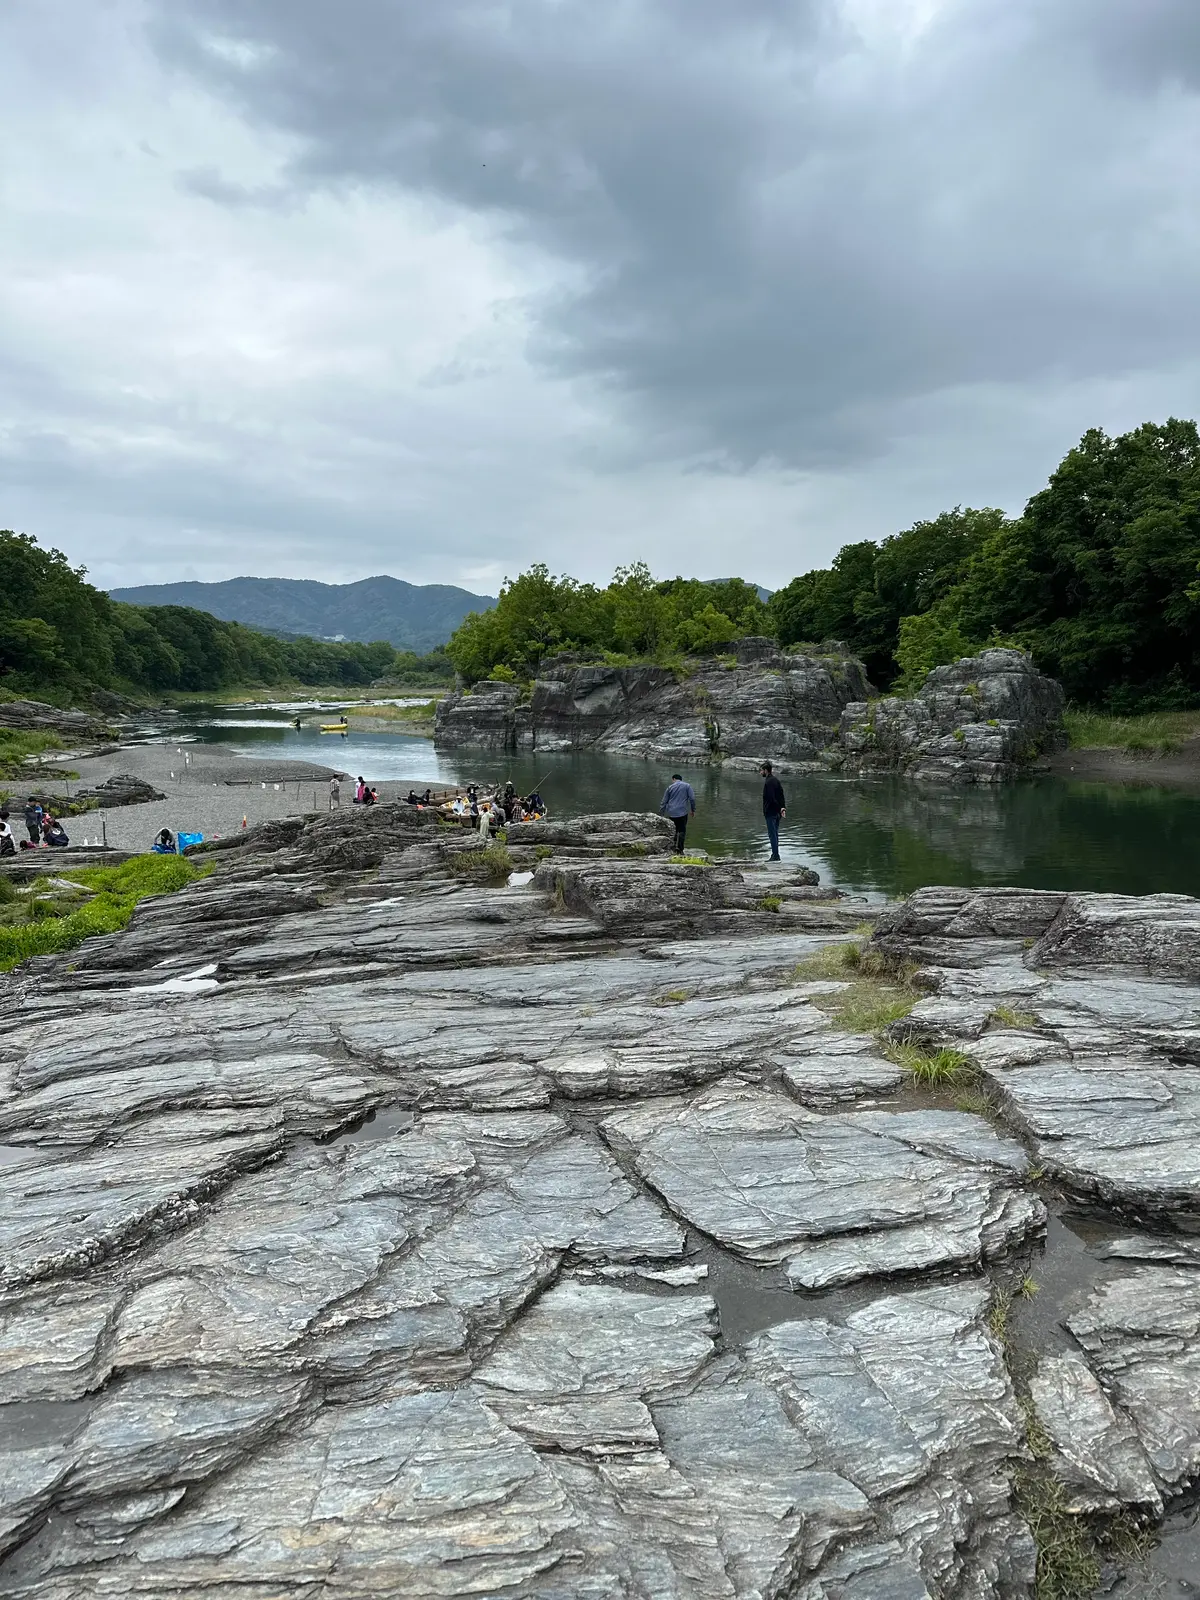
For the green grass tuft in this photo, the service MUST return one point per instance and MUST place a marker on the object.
(491, 864)
(876, 992)
(770, 902)
(53, 925)
(1155, 733)
(926, 1066)
(1011, 1018)
(690, 861)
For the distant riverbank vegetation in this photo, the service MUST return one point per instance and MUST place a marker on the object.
(62, 638)
(1098, 579)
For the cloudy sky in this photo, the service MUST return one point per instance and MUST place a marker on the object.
(443, 287)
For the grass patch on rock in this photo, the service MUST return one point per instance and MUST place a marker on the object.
(629, 852)
(490, 864)
(877, 989)
(931, 1066)
(48, 919)
(690, 861)
(770, 902)
(15, 746)
(1009, 1017)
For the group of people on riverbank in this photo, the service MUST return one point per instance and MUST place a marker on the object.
(679, 806)
(503, 807)
(43, 829)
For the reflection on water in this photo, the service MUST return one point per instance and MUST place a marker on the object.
(877, 836)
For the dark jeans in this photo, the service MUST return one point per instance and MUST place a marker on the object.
(680, 833)
(772, 821)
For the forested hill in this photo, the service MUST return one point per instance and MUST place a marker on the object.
(60, 637)
(409, 616)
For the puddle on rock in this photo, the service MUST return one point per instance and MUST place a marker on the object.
(1171, 1571)
(751, 1298)
(375, 1125)
(20, 1155)
(1065, 1268)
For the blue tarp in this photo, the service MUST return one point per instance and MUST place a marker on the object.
(186, 839)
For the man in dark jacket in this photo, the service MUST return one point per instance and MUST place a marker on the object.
(33, 820)
(774, 807)
(679, 803)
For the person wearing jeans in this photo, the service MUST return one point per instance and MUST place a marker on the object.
(774, 807)
(678, 804)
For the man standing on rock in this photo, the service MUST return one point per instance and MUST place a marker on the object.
(774, 807)
(335, 792)
(679, 803)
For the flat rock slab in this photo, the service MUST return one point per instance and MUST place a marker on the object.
(1123, 1411)
(1121, 1130)
(825, 1081)
(605, 1448)
(832, 1198)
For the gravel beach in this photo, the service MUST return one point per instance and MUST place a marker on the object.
(207, 791)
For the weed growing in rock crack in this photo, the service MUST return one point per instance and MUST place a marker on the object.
(492, 864)
(543, 852)
(690, 861)
(54, 925)
(1012, 1018)
(1070, 1546)
(673, 997)
(976, 1099)
(865, 1003)
(931, 1066)
(632, 852)
(770, 902)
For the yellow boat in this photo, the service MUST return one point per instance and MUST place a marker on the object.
(335, 727)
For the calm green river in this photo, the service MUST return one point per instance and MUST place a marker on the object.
(878, 836)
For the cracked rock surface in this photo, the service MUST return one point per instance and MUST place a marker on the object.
(368, 1231)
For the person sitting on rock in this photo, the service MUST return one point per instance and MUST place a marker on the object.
(164, 845)
(53, 833)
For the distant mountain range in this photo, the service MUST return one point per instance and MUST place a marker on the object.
(410, 616)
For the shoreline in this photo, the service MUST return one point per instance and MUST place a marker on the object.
(1113, 764)
(207, 790)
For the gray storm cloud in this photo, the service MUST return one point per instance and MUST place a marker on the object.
(786, 217)
(442, 289)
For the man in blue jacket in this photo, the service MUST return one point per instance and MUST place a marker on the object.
(774, 807)
(679, 803)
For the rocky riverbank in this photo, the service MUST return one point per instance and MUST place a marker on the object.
(983, 720)
(366, 1229)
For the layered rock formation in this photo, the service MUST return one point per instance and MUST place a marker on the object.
(982, 720)
(979, 721)
(366, 1231)
(34, 716)
(768, 704)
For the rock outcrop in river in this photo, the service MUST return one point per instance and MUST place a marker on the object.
(369, 1231)
(980, 721)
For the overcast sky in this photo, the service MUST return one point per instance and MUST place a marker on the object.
(443, 287)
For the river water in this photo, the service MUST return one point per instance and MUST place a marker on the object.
(871, 836)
